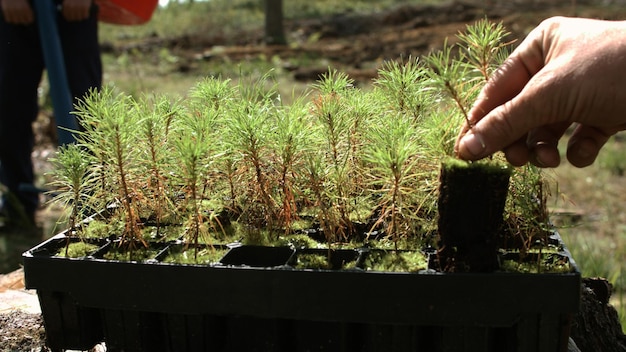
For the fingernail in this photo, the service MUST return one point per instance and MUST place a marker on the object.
(473, 143)
(537, 154)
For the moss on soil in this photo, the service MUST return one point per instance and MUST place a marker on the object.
(206, 255)
(393, 261)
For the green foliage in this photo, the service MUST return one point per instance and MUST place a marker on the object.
(402, 85)
(396, 261)
(289, 147)
(332, 112)
(527, 212)
(452, 77)
(337, 155)
(73, 182)
(80, 249)
(483, 46)
(459, 72)
(248, 127)
(153, 134)
(111, 123)
(192, 146)
(393, 154)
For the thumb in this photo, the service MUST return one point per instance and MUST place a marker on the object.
(492, 133)
(506, 126)
(499, 117)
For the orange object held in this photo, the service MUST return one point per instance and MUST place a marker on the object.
(127, 12)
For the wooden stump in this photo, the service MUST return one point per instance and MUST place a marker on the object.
(597, 327)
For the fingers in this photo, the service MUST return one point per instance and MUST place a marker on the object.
(512, 76)
(517, 153)
(506, 83)
(585, 144)
(539, 146)
(509, 80)
(561, 74)
(545, 155)
(543, 142)
(508, 127)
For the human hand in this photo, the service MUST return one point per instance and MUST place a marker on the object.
(17, 11)
(568, 71)
(76, 10)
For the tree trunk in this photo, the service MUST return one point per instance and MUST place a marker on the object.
(274, 29)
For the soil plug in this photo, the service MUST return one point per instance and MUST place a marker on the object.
(471, 203)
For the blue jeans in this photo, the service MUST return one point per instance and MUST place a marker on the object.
(21, 68)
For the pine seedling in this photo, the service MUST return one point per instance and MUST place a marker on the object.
(248, 127)
(290, 143)
(192, 144)
(73, 184)
(332, 113)
(458, 75)
(527, 212)
(155, 154)
(483, 46)
(226, 170)
(361, 108)
(316, 175)
(405, 88)
(392, 153)
(452, 78)
(211, 95)
(401, 86)
(111, 123)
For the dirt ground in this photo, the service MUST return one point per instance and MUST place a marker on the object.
(358, 43)
(353, 42)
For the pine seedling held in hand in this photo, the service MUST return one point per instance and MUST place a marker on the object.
(458, 72)
(483, 46)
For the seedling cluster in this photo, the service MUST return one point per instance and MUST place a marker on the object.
(358, 165)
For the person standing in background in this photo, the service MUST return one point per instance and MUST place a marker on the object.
(21, 68)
